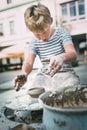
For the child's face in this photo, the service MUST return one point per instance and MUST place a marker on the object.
(43, 35)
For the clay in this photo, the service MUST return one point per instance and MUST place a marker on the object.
(67, 99)
(35, 92)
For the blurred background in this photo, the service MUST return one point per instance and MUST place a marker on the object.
(14, 36)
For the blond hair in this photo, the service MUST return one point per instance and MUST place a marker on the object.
(37, 17)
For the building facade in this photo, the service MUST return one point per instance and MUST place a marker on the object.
(13, 30)
(72, 14)
(12, 25)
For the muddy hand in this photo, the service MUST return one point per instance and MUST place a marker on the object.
(49, 66)
(55, 64)
(20, 81)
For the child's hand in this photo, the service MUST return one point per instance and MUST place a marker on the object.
(55, 64)
(19, 81)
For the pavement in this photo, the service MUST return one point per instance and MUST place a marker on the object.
(81, 71)
(7, 90)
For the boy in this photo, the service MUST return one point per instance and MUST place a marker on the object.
(53, 46)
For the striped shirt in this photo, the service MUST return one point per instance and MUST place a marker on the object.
(54, 46)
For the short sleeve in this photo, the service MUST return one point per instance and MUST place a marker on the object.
(32, 46)
(65, 37)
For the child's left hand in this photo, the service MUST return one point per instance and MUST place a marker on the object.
(55, 64)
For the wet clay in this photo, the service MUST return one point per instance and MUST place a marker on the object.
(67, 99)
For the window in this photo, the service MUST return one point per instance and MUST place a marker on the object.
(64, 9)
(72, 9)
(9, 1)
(1, 29)
(11, 24)
(81, 7)
(64, 12)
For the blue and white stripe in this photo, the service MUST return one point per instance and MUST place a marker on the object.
(54, 46)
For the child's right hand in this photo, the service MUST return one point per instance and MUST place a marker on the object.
(19, 81)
